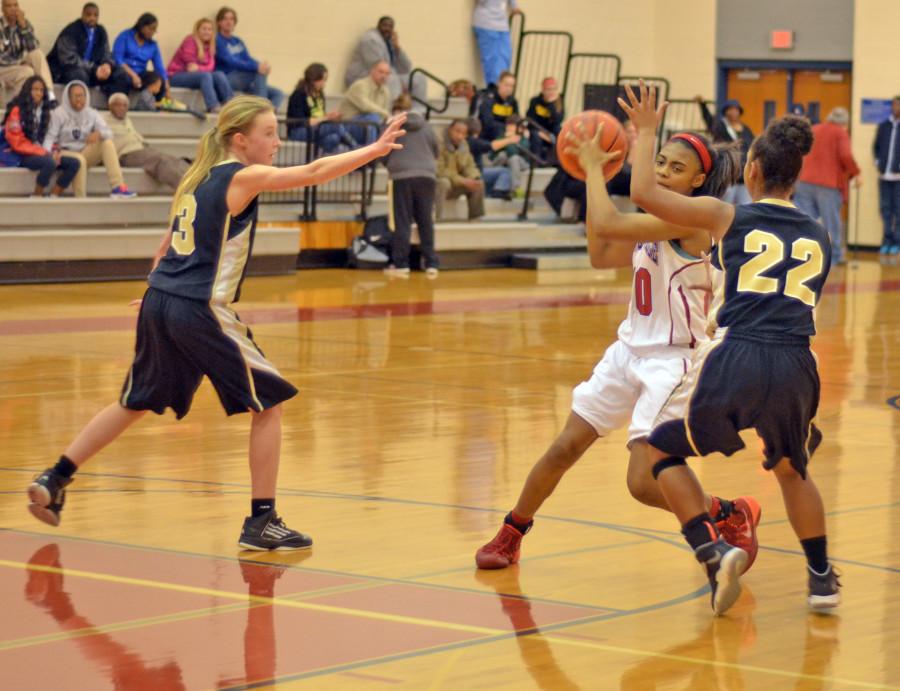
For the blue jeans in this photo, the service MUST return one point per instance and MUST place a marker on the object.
(889, 205)
(823, 203)
(329, 135)
(496, 53)
(256, 84)
(45, 166)
(362, 133)
(496, 180)
(213, 85)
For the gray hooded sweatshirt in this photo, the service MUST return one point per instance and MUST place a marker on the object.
(69, 128)
(418, 157)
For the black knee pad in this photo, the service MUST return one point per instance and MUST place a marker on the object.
(667, 462)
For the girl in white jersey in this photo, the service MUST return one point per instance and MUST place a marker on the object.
(187, 328)
(667, 318)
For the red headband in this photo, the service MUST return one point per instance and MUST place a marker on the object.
(698, 146)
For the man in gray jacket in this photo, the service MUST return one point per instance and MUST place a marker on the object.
(412, 171)
(382, 44)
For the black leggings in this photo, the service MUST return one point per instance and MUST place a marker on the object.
(45, 165)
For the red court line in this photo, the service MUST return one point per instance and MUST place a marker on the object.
(290, 315)
(246, 645)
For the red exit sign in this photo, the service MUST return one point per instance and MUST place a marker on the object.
(782, 40)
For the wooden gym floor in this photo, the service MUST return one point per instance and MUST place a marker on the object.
(423, 405)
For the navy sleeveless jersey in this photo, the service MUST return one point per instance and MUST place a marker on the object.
(776, 260)
(208, 256)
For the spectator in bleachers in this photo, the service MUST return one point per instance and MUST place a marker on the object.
(496, 106)
(887, 158)
(490, 20)
(729, 128)
(464, 88)
(135, 47)
(563, 188)
(133, 151)
(382, 44)
(821, 189)
(78, 131)
(82, 52)
(457, 173)
(20, 55)
(151, 84)
(243, 71)
(368, 99)
(25, 125)
(307, 103)
(194, 66)
(508, 153)
(497, 179)
(546, 111)
(412, 170)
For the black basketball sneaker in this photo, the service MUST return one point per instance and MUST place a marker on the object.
(48, 496)
(268, 532)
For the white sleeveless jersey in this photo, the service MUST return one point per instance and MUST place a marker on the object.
(664, 309)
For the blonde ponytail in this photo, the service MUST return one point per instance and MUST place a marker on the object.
(236, 116)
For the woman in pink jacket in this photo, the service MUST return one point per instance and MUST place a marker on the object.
(193, 66)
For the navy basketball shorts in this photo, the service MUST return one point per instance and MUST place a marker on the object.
(737, 383)
(179, 340)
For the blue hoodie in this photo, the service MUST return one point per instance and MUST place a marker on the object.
(232, 55)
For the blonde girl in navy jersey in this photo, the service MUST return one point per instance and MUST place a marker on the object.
(187, 328)
(758, 371)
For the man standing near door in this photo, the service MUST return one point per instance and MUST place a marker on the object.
(887, 158)
(821, 188)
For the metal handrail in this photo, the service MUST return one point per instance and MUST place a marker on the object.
(426, 103)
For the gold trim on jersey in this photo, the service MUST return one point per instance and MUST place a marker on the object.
(776, 202)
(390, 204)
(238, 332)
(692, 378)
(124, 400)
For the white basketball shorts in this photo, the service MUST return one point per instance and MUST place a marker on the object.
(625, 385)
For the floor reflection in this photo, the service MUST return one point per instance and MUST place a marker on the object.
(536, 653)
(126, 669)
(722, 653)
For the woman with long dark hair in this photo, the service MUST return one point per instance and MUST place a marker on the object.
(25, 125)
(307, 103)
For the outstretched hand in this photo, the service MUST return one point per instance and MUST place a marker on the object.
(587, 149)
(643, 112)
(387, 142)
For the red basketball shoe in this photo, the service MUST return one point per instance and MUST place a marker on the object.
(502, 551)
(739, 529)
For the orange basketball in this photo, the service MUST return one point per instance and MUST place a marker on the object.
(612, 139)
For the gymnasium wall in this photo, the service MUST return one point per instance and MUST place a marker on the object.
(823, 29)
(876, 58)
(436, 34)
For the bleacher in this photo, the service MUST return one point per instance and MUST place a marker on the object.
(102, 238)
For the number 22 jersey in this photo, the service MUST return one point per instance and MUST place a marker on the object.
(775, 259)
